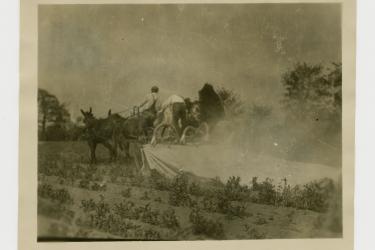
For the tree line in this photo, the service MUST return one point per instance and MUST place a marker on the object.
(54, 120)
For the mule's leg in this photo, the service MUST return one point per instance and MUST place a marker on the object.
(182, 116)
(110, 149)
(92, 146)
(127, 150)
(114, 153)
(176, 125)
(179, 118)
(124, 145)
(163, 131)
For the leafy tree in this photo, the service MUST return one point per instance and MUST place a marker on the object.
(312, 92)
(312, 102)
(53, 116)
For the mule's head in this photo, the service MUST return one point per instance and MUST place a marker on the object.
(88, 117)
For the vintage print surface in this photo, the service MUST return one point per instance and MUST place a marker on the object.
(189, 122)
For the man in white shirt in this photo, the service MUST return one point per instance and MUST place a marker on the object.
(150, 107)
(171, 100)
(151, 102)
(172, 112)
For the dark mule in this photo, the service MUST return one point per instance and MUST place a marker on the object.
(99, 131)
(127, 130)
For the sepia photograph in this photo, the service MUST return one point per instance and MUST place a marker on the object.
(189, 122)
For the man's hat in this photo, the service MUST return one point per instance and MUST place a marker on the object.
(154, 89)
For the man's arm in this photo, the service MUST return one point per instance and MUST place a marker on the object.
(143, 103)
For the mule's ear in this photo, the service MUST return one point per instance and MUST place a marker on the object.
(109, 112)
(90, 110)
(83, 112)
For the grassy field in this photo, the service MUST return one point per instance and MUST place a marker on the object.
(78, 201)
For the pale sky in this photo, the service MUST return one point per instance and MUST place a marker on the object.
(108, 56)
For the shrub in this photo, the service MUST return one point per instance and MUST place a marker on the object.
(178, 195)
(85, 183)
(260, 221)
(118, 171)
(145, 196)
(202, 225)
(109, 222)
(159, 182)
(88, 205)
(158, 199)
(253, 233)
(62, 196)
(126, 210)
(210, 204)
(234, 191)
(169, 219)
(195, 189)
(150, 234)
(235, 211)
(126, 193)
(147, 215)
(98, 187)
(102, 209)
(221, 202)
(316, 195)
(266, 192)
(138, 181)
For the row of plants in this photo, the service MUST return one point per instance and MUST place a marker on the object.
(61, 195)
(316, 195)
(116, 225)
(204, 226)
(101, 216)
(147, 214)
(215, 200)
(219, 197)
(62, 168)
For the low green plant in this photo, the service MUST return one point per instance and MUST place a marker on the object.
(266, 191)
(178, 194)
(169, 219)
(158, 199)
(60, 195)
(145, 196)
(148, 215)
(253, 233)
(196, 189)
(126, 193)
(159, 181)
(260, 221)
(207, 227)
(98, 187)
(84, 183)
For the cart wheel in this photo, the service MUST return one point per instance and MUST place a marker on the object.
(188, 135)
(195, 134)
(164, 134)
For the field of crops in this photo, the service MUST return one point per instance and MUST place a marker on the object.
(79, 201)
